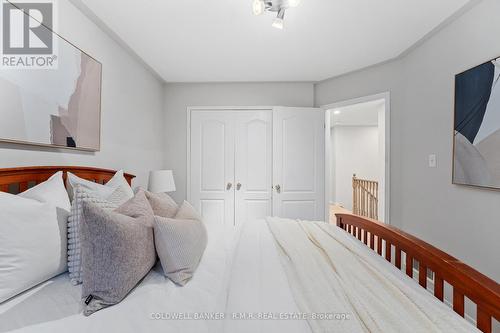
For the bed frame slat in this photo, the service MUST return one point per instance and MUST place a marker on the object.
(388, 251)
(422, 274)
(409, 265)
(466, 281)
(438, 287)
(23, 186)
(458, 302)
(483, 320)
(398, 257)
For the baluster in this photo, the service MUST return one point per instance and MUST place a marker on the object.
(359, 233)
(372, 241)
(365, 237)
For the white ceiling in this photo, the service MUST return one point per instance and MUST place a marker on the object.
(221, 40)
(362, 114)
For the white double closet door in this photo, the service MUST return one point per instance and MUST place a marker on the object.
(249, 164)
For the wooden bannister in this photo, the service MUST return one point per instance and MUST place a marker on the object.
(365, 197)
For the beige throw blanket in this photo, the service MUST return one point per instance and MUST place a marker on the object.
(331, 272)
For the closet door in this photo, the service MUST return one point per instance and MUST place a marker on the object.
(253, 165)
(299, 163)
(212, 166)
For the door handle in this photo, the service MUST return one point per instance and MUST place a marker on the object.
(278, 188)
(228, 186)
(238, 186)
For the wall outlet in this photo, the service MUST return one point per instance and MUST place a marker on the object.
(432, 161)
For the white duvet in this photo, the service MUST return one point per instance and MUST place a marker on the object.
(242, 276)
(328, 270)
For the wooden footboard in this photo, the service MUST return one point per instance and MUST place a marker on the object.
(394, 244)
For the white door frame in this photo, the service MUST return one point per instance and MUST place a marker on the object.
(188, 137)
(387, 115)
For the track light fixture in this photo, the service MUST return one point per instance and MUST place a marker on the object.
(276, 6)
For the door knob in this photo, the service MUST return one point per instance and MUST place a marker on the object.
(228, 186)
(278, 188)
(238, 186)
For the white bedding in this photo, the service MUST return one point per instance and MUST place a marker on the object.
(239, 275)
(55, 306)
(328, 270)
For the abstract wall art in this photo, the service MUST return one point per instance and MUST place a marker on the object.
(476, 156)
(59, 107)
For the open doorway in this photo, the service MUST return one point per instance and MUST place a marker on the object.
(357, 157)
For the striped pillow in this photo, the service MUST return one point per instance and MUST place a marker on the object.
(180, 243)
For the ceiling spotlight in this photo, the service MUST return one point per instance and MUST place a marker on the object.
(278, 21)
(293, 3)
(274, 6)
(258, 7)
(336, 112)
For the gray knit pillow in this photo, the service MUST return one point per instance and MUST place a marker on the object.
(75, 221)
(163, 205)
(117, 251)
(180, 243)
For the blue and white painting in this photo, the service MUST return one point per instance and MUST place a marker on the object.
(477, 126)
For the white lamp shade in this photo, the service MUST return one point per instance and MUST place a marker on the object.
(161, 181)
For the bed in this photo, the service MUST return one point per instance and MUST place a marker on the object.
(241, 283)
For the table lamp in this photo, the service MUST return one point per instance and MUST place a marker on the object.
(161, 181)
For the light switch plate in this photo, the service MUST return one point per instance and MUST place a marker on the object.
(432, 161)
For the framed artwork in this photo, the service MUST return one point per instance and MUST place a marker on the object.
(476, 148)
(55, 107)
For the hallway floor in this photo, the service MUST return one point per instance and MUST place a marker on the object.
(337, 209)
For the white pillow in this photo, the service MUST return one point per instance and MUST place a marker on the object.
(51, 191)
(102, 191)
(33, 236)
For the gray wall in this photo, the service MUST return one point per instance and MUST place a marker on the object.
(462, 221)
(178, 97)
(132, 108)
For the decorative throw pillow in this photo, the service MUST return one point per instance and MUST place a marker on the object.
(187, 212)
(75, 221)
(117, 251)
(32, 236)
(163, 205)
(102, 191)
(180, 243)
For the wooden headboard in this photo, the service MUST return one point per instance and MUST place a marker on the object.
(15, 180)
